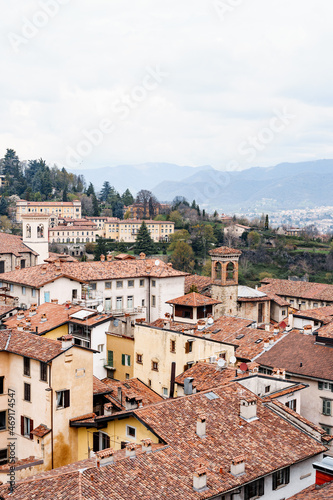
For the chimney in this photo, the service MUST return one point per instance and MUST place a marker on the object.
(146, 445)
(104, 457)
(20, 314)
(271, 340)
(131, 403)
(66, 342)
(107, 409)
(120, 395)
(308, 329)
(43, 318)
(188, 387)
(17, 268)
(20, 327)
(267, 327)
(54, 301)
(248, 409)
(109, 258)
(128, 325)
(142, 256)
(276, 372)
(266, 343)
(282, 373)
(201, 426)
(169, 264)
(238, 465)
(130, 450)
(32, 311)
(276, 330)
(291, 320)
(102, 258)
(200, 479)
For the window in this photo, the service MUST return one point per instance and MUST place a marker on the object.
(3, 420)
(108, 285)
(326, 428)
(172, 346)
(143, 302)
(1, 384)
(63, 399)
(153, 301)
(23, 290)
(33, 292)
(165, 392)
(93, 286)
(291, 404)
(43, 371)
(153, 283)
(119, 303)
(27, 392)
(130, 283)
(3, 457)
(130, 431)
(101, 441)
(188, 346)
(2, 266)
(110, 358)
(27, 426)
(26, 366)
(126, 360)
(283, 312)
(325, 386)
(154, 366)
(130, 302)
(100, 347)
(315, 304)
(74, 294)
(327, 403)
(281, 478)
(267, 388)
(142, 283)
(139, 358)
(22, 264)
(253, 490)
(119, 284)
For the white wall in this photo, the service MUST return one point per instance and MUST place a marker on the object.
(98, 337)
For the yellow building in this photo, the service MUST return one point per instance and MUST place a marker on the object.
(42, 383)
(55, 209)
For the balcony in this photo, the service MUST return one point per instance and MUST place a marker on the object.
(126, 310)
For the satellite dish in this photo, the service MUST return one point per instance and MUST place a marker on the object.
(157, 262)
(116, 322)
(243, 367)
(221, 362)
(100, 308)
(210, 321)
(233, 360)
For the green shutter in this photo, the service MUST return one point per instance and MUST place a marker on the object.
(129, 360)
(110, 358)
(123, 359)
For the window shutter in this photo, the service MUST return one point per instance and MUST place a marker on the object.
(107, 441)
(287, 475)
(66, 399)
(187, 348)
(274, 482)
(328, 407)
(123, 359)
(331, 385)
(246, 493)
(31, 428)
(185, 368)
(110, 358)
(22, 426)
(260, 487)
(96, 441)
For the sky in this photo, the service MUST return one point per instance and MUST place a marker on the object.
(227, 83)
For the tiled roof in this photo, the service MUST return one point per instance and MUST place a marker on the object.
(276, 298)
(87, 226)
(124, 256)
(322, 314)
(324, 492)
(24, 463)
(99, 387)
(10, 243)
(203, 283)
(41, 431)
(249, 342)
(206, 376)
(29, 345)
(299, 289)
(56, 315)
(53, 257)
(6, 309)
(224, 251)
(300, 355)
(37, 276)
(268, 444)
(193, 299)
(48, 203)
(132, 388)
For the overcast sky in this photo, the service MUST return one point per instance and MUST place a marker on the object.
(232, 84)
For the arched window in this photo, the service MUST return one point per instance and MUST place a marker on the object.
(218, 271)
(40, 231)
(230, 272)
(28, 230)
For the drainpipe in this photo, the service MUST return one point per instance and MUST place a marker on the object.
(149, 300)
(49, 389)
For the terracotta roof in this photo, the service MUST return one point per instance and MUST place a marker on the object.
(99, 387)
(324, 492)
(124, 256)
(56, 314)
(131, 388)
(206, 376)
(248, 341)
(29, 345)
(60, 256)
(38, 276)
(48, 203)
(41, 431)
(224, 251)
(88, 226)
(275, 298)
(6, 309)
(203, 283)
(10, 243)
(299, 289)
(300, 355)
(168, 471)
(193, 299)
(322, 314)
(24, 463)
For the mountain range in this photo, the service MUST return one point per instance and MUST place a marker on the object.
(283, 186)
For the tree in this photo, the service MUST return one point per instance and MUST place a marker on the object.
(181, 235)
(182, 257)
(267, 223)
(148, 201)
(118, 210)
(64, 194)
(127, 198)
(176, 217)
(95, 205)
(203, 238)
(253, 239)
(3, 206)
(143, 242)
(90, 190)
(127, 214)
(105, 191)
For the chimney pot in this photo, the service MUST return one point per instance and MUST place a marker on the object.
(102, 258)
(238, 466)
(201, 426)
(130, 450)
(200, 479)
(146, 445)
(188, 386)
(248, 409)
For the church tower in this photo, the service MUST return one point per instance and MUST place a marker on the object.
(225, 279)
(36, 234)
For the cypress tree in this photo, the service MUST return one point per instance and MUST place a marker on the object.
(144, 242)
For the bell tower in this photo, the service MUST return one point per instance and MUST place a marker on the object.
(225, 279)
(36, 234)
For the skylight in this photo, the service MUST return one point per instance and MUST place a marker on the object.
(211, 395)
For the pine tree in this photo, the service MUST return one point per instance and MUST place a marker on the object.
(267, 223)
(144, 243)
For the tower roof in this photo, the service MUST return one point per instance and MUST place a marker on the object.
(221, 251)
